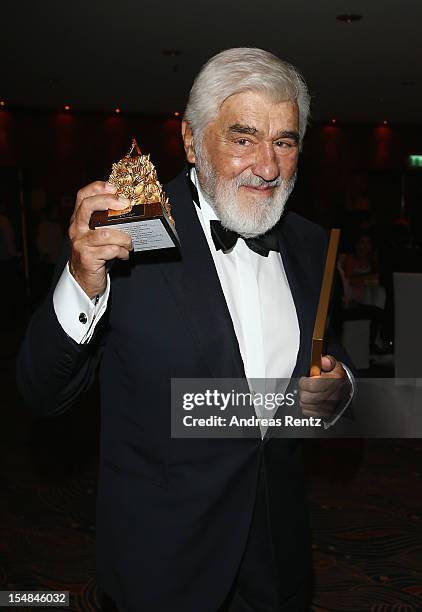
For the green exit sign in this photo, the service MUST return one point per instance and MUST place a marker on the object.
(415, 161)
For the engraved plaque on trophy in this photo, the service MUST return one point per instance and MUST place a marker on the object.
(148, 219)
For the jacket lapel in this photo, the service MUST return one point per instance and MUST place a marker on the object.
(298, 270)
(294, 256)
(196, 287)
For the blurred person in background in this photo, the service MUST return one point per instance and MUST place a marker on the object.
(362, 287)
(9, 265)
(49, 240)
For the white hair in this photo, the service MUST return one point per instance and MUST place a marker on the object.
(243, 69)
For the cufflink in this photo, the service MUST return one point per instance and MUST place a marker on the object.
(83, 318)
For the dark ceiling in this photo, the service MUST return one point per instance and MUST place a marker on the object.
(103, 54)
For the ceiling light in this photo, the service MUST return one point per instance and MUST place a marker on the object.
(349, 17)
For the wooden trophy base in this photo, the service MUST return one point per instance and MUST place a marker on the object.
(147, 224)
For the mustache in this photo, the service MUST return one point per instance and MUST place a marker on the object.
(257, 181)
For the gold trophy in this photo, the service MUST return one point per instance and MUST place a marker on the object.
(148, 218)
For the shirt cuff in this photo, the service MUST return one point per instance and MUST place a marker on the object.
(76, 312)
(351, 378)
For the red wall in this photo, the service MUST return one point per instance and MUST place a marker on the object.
(60, 152)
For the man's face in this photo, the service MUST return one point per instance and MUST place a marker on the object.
(247, 162)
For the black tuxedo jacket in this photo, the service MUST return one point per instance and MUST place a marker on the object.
(173, 515)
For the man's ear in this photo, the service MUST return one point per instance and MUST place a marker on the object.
(188, 142)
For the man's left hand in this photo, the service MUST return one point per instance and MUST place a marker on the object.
(322, 396)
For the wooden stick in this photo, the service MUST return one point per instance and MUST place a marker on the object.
(324, 301)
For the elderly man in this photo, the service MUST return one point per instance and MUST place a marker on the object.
(197, 525)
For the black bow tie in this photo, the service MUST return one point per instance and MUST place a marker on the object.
(225, 239)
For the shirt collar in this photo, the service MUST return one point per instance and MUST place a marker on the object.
(208, 213)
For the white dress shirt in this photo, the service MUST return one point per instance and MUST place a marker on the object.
(258, 298)
(76, 312)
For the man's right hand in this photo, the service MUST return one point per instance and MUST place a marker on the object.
(92, 249)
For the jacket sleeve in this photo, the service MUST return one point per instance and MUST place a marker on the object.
(52, 369)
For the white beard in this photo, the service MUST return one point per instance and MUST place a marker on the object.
(248, 219)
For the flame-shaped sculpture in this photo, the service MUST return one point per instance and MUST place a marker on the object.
(136, 179)
(147, 219)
